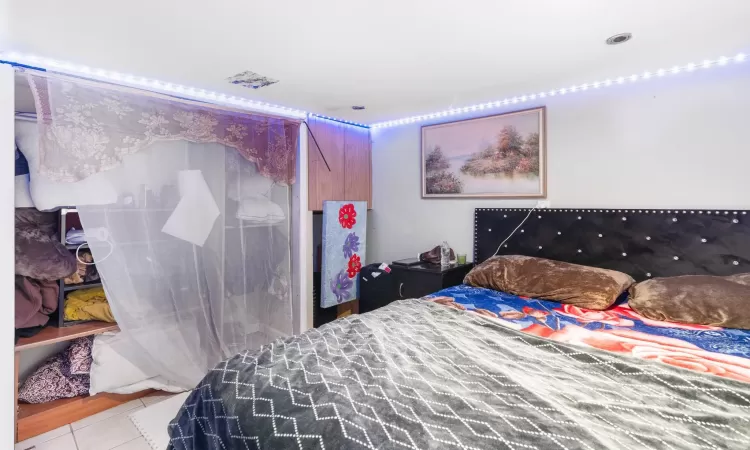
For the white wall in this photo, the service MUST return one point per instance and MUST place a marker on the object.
(673, 142)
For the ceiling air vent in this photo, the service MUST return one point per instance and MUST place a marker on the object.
(250, 79)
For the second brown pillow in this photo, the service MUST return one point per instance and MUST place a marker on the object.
(698, 299)
(582, 286)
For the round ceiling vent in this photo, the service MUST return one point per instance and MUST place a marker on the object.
(358, 107)
(619, 38)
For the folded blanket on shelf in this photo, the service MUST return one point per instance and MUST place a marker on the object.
(88, 304)
(35, 300)
(64, 375)
(39, 253)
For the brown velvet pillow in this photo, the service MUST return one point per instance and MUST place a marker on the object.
(583, 286)
(698, 299)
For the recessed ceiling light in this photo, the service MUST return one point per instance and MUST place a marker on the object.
(619, 38)
(358, 107)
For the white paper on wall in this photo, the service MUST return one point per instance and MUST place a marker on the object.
(197, 211)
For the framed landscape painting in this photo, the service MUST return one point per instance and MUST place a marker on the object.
(502, 156)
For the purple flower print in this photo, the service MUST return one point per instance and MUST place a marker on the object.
(340, 286)
(351, 245)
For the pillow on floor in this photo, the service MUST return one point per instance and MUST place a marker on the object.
(64, 375)
(112, 372)
(527, 276)
(698, 299)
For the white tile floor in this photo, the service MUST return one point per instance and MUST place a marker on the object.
(109, 430)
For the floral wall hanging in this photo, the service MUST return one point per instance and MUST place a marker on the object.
(344, 229)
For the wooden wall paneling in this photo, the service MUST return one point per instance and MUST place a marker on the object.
(358, 168)
(322, 184)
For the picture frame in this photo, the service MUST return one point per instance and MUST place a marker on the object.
(498, 156)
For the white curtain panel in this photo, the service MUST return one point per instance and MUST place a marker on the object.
(194, 255)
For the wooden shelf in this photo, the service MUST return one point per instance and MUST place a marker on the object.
(51, 335)
(35, 419)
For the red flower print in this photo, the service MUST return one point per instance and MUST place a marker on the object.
(535, 313)
(347, 216)
(648, 346)
(355, 265)
(584, 315)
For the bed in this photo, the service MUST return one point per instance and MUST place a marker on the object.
(472, 368)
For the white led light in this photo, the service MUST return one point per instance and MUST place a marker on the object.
(620, 80)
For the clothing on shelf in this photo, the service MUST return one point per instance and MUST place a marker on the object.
(35, 300)
(75, 237)
(64, 375)
(27, 332)
(39, 252)
(88, 304)
(86, 272)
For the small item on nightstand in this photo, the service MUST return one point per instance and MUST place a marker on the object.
(434, 257)
(461, 258)
(445, 254)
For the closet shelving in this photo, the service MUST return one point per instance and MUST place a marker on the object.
(66, 288)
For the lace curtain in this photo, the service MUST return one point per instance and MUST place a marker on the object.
(88, 127)
(195, 253)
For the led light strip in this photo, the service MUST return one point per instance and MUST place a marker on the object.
(347, 122)
(173, 89)
(575, 88)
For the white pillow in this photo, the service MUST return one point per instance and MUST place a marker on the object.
(23, 196)
(47, 194)
(111, 372)
(257, 209)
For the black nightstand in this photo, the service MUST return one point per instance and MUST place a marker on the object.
(410, 282)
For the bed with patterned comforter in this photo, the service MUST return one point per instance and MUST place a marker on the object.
(418, 374)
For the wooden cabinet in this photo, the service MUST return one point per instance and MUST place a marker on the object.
(347, 149)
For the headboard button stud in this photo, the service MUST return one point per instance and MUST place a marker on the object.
(624, 219)
(558, 233)
(540, 247)
(704, 240)
(735, 221)
(648, 274)
(648, 238)
(522, 231)
(580, 251)
(674, 219)
(676, 258)
(624, 254)
(489, 229)
(601, 235)
(579, 217)
(736, 263)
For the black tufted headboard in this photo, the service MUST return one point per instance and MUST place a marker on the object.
(643, 243)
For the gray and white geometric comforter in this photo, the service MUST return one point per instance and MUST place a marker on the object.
(418, 375)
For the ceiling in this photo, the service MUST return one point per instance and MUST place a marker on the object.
(397, 58)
